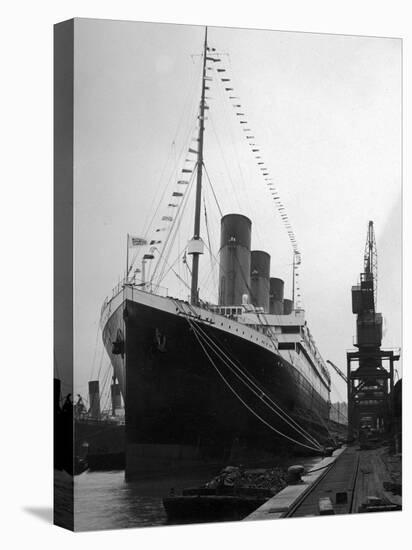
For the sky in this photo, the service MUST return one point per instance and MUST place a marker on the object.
(325, 111)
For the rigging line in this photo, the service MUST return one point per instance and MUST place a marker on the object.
(109, 378)
(174, 229)
(177, 275)
(179, 253)
(235, 148)
(294, 246)
(231, 135)
(166, 188)
(171, 179)
(174, 232)
(260, 391)
(323, 421)
(185, 110)
(188, 274)
(95, 350)
(340, 397)
(271, 338)
(101, 361)
(216, 262)
(260, 322)
(211, 273)
(165, 259)
(335, 387)
(266, 324)
(106, 377)
(256, 384)
(148, 225)
(190, 132)
(56, 366)
(107, 403)
(171, 266)
(213, 191)
(338, 411)
(179, 210)
(213, 260)
(247, 406)
(177, 217)
(208, 238)
(226, 166)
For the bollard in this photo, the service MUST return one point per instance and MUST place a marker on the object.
(294, 474)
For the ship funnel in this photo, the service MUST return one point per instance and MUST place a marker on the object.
(234, 272)
(287, 306)
(259, 279)
(94, 399)
(116, 400)
(277, 287)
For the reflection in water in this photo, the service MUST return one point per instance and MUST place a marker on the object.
(103, 500)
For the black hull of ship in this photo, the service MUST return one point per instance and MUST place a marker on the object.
(181, 414)
(100, 444)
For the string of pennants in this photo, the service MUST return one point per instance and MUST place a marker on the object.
(179, 193)
(186, 174)
(176, 198)
(223, 75)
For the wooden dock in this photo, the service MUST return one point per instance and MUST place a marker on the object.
(279, 505)
(373, 475)
(341, 484)
(338, 485)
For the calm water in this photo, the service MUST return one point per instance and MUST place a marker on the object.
(103, 500)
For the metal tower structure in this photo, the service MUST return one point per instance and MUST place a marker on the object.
(370, 263)
(369, 382)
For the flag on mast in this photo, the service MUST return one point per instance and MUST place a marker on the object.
(133, 241)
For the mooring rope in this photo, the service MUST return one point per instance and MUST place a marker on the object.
(261, 394)
(196, 332)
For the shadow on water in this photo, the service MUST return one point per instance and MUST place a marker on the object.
(104, 500)
(44, 513)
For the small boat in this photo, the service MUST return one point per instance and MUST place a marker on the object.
(232, 495)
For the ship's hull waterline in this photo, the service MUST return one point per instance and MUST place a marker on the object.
(179, 409)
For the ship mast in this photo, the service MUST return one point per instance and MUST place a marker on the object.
(197, 248)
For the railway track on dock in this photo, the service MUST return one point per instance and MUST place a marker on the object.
(355, 482)
(338, 484)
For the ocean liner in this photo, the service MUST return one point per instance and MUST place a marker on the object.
(208, 383)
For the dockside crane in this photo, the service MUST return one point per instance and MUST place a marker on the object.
(371, 261)
(369, 383)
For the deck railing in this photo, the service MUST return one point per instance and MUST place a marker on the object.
(120, 287)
